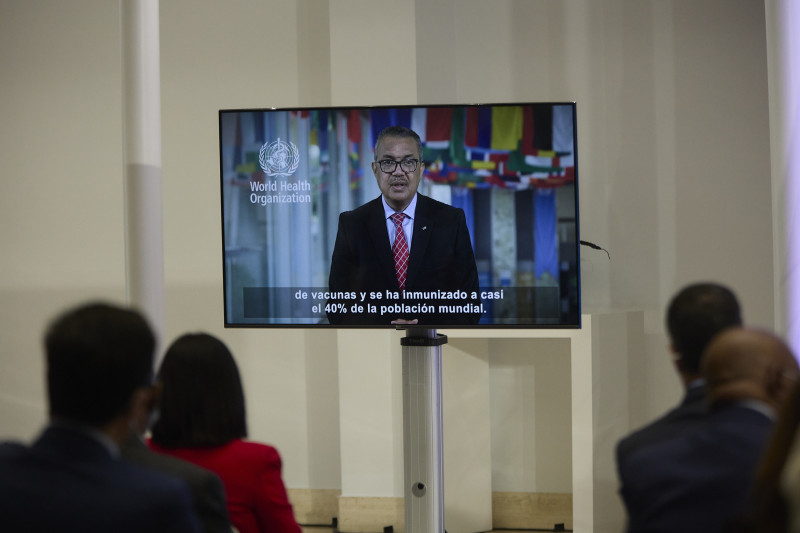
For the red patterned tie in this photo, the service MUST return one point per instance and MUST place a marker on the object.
(400, 249)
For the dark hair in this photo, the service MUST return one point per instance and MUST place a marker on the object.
(97, 356)
(202, 401)
(401, 132)
(695, 315)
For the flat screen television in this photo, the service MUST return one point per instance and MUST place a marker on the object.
(505, 175)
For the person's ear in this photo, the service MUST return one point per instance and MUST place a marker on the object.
(778, 381)
(156, 390)
(675, 355)
(142, 404)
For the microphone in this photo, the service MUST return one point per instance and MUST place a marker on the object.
(595, 247)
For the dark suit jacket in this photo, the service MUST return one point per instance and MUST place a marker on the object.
(691, 411)
(69, 482)
(696, 482)
(441, 259)
(208, 493)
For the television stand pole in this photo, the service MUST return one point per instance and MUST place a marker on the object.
(423, 454)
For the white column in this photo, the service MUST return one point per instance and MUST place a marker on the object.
(423, 450)
(789, 69)
(144, 246)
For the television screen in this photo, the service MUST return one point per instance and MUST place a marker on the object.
(439, 216)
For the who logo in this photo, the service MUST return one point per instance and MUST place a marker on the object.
(279, 158)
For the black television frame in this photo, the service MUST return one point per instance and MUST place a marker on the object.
(248, 162)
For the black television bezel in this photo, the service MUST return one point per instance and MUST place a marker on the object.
(479, 326)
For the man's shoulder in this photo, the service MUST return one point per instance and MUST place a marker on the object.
(159, 462)
(12, 456)
(162, 493)
(117, 490)
(681, 418)
(11, 449)
(713, 442)
(429, 209)
(364, 210)
(89, 461)
(751, 420)
(433, 205)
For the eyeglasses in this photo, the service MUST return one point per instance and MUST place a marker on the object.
(390, 165)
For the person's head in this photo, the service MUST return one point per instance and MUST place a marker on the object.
(745, 363)
(694, 316)
(398, 165)
(202, 400)
(99, 356)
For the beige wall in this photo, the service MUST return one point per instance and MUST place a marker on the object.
(673, 141)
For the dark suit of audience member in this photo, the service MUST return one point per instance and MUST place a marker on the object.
(684, 417)
(700, 481)
(695, 315)
(207, 491)
(99, 373)
(440, 254)
(776, 495)
(788, 480)
(203, 421)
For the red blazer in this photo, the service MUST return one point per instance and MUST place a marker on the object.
(251, 473)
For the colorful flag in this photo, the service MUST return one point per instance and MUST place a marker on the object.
(354, 126)
(506, 127)
(438, 127)
(478, 128)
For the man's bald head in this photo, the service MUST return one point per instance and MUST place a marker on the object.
(746, 363)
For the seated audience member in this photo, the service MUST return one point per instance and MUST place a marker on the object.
(99, 361)
(789, 480)
(700, 480)
(776, 495)
(203, 421)
(695, 315)
(207, 491)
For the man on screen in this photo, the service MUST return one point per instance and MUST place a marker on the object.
(402, 258)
